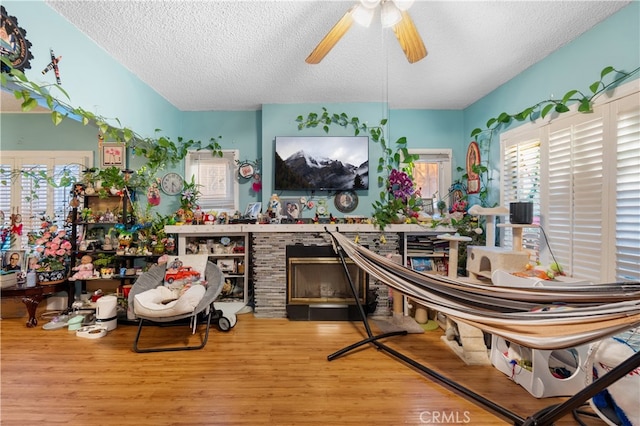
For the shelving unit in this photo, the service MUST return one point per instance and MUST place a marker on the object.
(424, 252)
(229, 249)
(95, 232)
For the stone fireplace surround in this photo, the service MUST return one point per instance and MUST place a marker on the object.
(269, 267)
(268, 255)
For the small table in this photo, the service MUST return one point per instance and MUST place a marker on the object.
(32, 296)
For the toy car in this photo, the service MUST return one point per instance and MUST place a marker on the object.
(185, 273)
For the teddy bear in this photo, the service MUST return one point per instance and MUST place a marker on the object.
(84, 270)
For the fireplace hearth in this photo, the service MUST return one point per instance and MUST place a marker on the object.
(318, 288)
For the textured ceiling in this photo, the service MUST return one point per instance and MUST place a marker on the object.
(238, 55)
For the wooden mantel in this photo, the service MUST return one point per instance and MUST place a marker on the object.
(195, 230)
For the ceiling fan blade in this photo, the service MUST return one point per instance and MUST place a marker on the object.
(410, 41)
(333, 36)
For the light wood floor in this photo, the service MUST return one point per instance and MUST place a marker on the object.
(264, 371)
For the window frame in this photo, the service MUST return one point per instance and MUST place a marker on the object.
(230, 157)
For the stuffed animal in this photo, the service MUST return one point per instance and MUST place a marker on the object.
(84, 270)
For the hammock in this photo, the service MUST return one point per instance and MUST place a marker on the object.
(585, 313)
(536, 317)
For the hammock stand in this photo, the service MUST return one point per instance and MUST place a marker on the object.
(544, 417)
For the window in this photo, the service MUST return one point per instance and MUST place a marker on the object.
(521, 183)
(216, 177)
(28, 195)
(585, 175)
(432, 172)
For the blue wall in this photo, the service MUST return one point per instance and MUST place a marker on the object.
(97, 83)
(614, 42)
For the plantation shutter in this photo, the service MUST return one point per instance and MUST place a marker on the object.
(521, 182)
(576, 190)
(29, 194)
(217, 179)
(626, 114)
(5, 202)
(33, 200)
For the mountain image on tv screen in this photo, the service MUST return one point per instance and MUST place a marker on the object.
(321, 163)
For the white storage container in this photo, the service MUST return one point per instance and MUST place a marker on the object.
(547, 373)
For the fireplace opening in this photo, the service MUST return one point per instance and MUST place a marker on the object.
(318, 288)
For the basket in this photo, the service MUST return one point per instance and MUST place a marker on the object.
(51, 277)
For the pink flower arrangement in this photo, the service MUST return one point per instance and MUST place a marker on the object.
(52, 246)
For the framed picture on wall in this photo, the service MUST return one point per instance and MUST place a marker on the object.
(291, 208)
(113, 154)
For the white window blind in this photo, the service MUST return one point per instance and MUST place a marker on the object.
(589, 188)
(521, 169)
(32, 197)
(217, 179)
(626, 114)
(576, 184)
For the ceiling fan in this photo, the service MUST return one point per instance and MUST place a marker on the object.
(393, 13)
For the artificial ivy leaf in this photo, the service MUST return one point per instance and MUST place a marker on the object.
(585, 105)
(29, 104)
(568, 96)
(85, 120)
(504, 117)
(546, 110)
(56, 117)
(326, 129)
(560, 107)
(606, 71)
(595, 86)
(490, 122)
(383, 122)
(476, 131)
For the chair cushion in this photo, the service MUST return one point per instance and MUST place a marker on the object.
(162, 302)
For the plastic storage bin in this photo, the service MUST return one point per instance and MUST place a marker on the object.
(542, 373)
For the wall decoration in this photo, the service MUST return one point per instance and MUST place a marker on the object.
(473, 159)
(112, 154)
(246, 170)
(346, 201)
(250, 170)
(53, 65)
(292, 209)
(13, 42)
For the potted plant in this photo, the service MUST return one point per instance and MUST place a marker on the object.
(112, 181)
(105, 263)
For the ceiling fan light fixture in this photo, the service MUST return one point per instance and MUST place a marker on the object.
(390, 14)
(363, 15)
(370, 4)
(403, 4)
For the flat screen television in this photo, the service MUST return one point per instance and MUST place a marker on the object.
(321, 163)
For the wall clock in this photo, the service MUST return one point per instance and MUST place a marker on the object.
(172, 183)
(346, 201)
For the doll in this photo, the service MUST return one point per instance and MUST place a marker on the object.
(84, 270)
